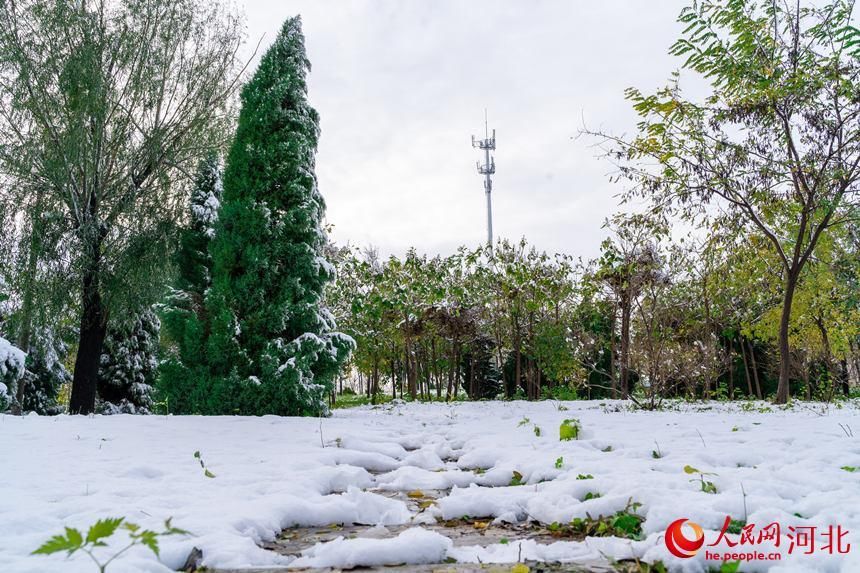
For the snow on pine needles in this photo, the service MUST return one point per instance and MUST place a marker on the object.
(493, 463)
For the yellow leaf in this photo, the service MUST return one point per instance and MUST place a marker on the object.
(426, 503)
(520, 568)
(416, 494)
(481, 524)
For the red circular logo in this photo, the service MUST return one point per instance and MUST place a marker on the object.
(679, 544)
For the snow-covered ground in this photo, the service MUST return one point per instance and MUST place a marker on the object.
(272, 473)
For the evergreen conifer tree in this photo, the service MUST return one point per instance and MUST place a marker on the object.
(129, 364)
(184, 377)
(45, 372)
(273, 348)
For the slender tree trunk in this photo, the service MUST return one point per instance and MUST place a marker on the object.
(612, 354)
(746, 370)
(393, 373)
(473, 378)
(457, 357)
(452, 357)
(501, 360)
(782, 390)
(27, 304)
(375, 389)
(26, 328)
(436, 373)
(754, 368)
(625, 345)
(832, 378)
(731, 371)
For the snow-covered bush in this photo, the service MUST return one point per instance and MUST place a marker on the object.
(129, 364)
(45, 373)
(11, 370)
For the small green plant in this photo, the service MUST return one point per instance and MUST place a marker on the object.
(206, 471)
(736, 526)
(569, 430)
(625, 523)
(523, 422)
(707, 486)
(517, 478)
(851, 469)
(656, 454)
(607, 449)
(584, 476)
(559, 463)
(537, 430)
(74, 541)
(591, 495)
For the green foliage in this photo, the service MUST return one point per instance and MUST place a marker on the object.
(736, 526)
(851, 469)
(185, 381)
(584, 476)
(129, 365)
(516, 478)
(569, 430)
(559, 463)
(73, 540)
(705, 485)
(272, 347)
(624, 523)
(781, 75)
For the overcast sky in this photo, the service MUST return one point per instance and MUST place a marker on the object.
(401, 85)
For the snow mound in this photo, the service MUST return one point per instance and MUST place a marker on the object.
(414, 546)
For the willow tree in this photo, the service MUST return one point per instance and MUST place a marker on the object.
(104, 105)
(774, 148)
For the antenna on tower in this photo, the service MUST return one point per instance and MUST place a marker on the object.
(487, 170)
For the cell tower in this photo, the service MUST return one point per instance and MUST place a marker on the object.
(487, 170)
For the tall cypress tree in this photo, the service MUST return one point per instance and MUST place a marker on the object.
(273, 348)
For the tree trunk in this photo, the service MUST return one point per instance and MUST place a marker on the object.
(625, 345)
(754, 368)
(731, 371)
(832, 377)
(91, 340)
(746, 369)
(26, 329)
(393, 373)
(612, 354)
(782, 390)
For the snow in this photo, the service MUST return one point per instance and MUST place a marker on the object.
(11, 360)
(423, 546)
(273, 472)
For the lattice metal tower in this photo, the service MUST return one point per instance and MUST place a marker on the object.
(487, 170)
